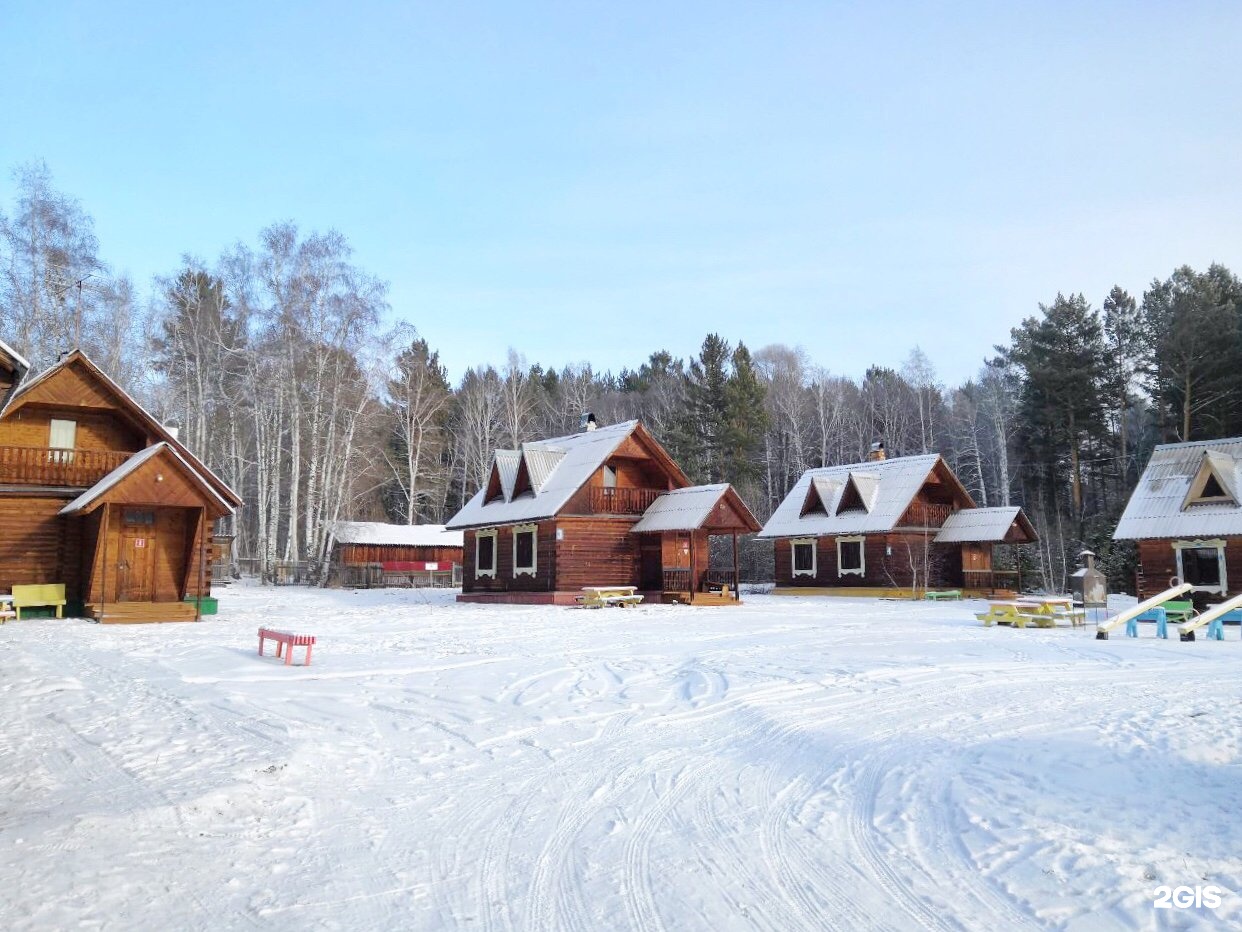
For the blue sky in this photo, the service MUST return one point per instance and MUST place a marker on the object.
(593, 181)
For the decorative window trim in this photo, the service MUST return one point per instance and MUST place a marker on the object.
(479, 535)
(533, 569)
(1216, 544)
(862, 556)
(813, 543)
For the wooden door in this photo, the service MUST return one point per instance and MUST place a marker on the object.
(651, 563)
(136, 561)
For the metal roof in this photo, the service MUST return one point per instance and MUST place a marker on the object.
(580, 456)
(978, 525)
(1158, 506)
(506, 462)
(888, 486)
(541, 460)
(395, 535)
(681, 509)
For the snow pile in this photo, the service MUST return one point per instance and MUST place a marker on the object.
(789, 764)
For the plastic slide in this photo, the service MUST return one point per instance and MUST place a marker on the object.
(1212, 617)
(1101, 632)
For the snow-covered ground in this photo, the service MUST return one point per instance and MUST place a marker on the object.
(790, 764)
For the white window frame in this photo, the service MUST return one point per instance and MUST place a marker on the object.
(62, 451)
(478, 535)
(813, 543)
(531, 570)
(1219, 546)
(862, 556)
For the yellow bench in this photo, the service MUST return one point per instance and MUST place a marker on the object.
(601, 596)
(51, 595)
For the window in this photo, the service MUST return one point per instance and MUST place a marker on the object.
(485, 554)
(63, 438)
(524, 557)
(610, 477)
(1202, 564)
(804, 557)
(850, 558)
(138, 517)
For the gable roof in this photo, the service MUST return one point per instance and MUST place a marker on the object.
(26, 393)
(381, 534)
(566, 464)
(885, 489)
(1162, 504)
(691, 508)
(985, 525)
(88, 499)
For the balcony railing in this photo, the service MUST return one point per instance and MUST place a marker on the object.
(925, 514)
(71, 468)
(676, 580)
(614, 501)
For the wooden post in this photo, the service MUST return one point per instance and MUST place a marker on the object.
(105, 527)
(737, 573)
(693, 574)
(202, 563)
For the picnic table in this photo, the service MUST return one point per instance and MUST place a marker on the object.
(602, 596)
(1041, 611)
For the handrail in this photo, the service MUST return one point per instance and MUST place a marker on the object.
(610, 500)
(77, 468)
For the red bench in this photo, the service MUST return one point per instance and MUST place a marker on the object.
(286, 641)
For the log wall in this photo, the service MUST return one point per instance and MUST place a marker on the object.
(358, 554)
(1158, 564)
(881, 568)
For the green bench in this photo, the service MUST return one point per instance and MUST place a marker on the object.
(934, 595)
(43, 595)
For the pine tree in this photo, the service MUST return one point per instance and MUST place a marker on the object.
(746, 420)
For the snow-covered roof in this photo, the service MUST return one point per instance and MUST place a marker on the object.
(395, 535)
(978, 525)
(15, 357)
(566, 464)
(886, 487)
(1161, 504)
(681, 510)
(130, 466)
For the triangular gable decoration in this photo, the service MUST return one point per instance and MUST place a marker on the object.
(858, 493)
(1213, 483)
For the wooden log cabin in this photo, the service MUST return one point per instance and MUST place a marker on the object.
(373, 553)
(890, 526)
(604, 507)
(1185, 515)
(97, 495)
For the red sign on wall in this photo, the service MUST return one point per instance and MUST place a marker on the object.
(139, 543)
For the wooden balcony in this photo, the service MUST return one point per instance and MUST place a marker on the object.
(925, 514)
(78, 469)
(614, 501)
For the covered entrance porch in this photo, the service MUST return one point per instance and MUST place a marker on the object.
(146, 531)
(675, 545)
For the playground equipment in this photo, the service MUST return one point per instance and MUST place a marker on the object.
(1132, 614)
(1213, 618)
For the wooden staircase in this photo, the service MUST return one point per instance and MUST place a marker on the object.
(131, 613)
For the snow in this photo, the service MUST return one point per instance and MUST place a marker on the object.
(793, 763)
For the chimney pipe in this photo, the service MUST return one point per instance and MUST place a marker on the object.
(587, 421)
(877, 452)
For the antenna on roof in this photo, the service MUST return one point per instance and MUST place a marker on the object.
(587, 421)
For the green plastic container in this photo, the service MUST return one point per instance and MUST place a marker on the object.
(209, 607)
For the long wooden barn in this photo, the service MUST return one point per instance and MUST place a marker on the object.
(605, 507)
(373, 553)
(98, 496)
(891, 525)
(1185, 515)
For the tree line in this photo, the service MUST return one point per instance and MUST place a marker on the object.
(272, 361)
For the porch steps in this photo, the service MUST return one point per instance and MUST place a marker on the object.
(130, 613)
(700, 598)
